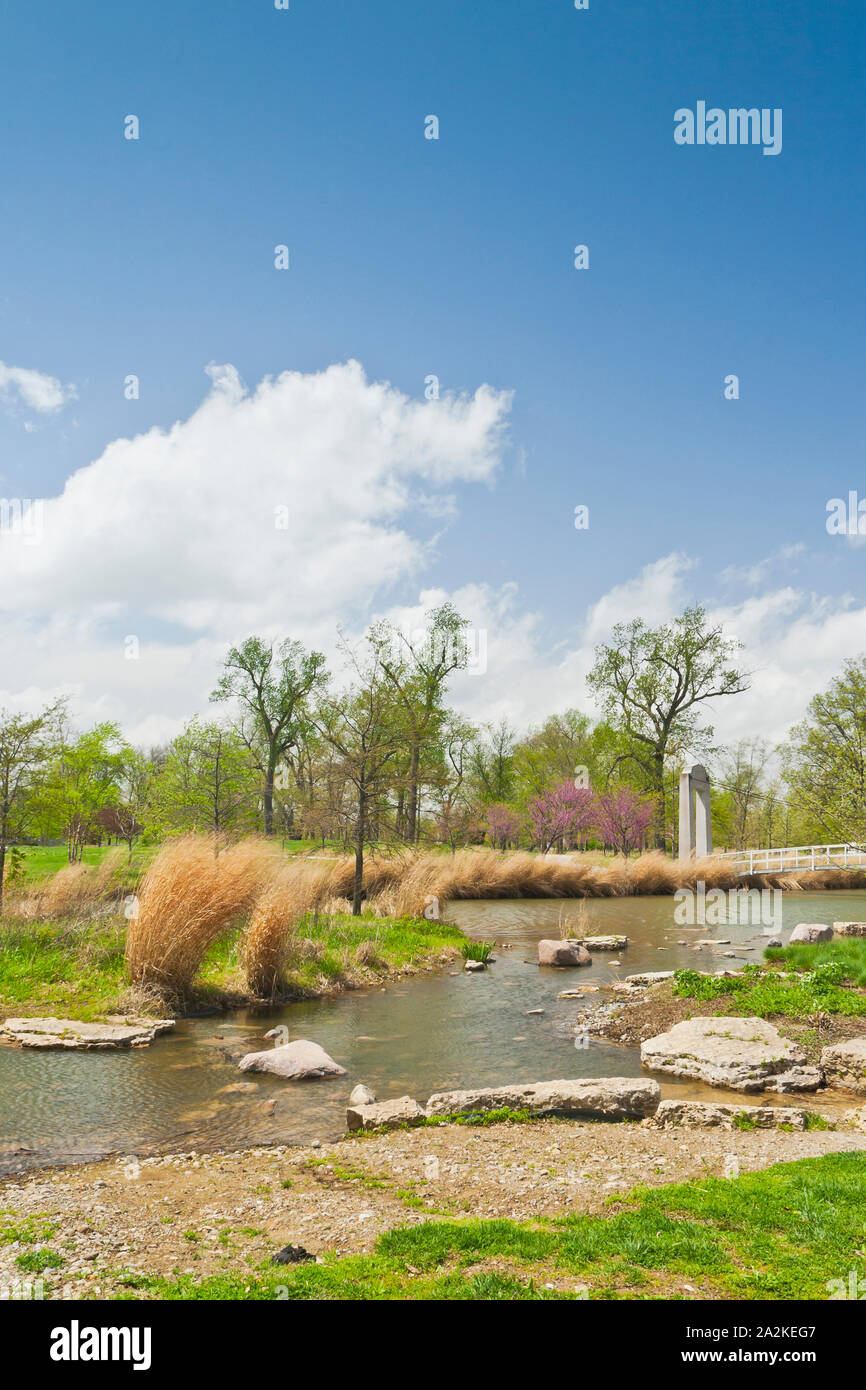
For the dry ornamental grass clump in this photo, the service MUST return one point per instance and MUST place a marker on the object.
(270, 934)
(75, 890)
(188, 897)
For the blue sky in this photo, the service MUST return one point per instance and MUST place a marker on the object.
(454, 257)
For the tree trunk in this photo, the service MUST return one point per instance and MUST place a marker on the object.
(358, 888)
(659, 791)
(268, 798)
(412, 810)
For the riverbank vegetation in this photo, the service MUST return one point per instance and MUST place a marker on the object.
(89, 934)
(63, 969)
(813, 994)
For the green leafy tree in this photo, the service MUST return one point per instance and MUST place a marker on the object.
(207, 781)
(825, 758)
(274, 686)
(492, 764)
(365, 726)
(26, 742)
(652, 683)
(84, 774)
(418, 667)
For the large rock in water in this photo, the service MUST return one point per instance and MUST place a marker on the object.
(850, 928)
(844, 1065)
(563, 953)
(387, 1114)
(698, 1114)
(294, 1061)
(605, 943)
(810, 932)
(744, 1054)
(70, 1033)
(611, 1097)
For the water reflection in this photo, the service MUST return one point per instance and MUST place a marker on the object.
(434, 1032)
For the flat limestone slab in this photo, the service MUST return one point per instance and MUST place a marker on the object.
(70, 1033)
(605, 943)
(844, 1065)
(611, 1097)
(743, 1054)
(390, 1114)
(649, 977)
(697, 1114)
(850, 928)
(294, 1061)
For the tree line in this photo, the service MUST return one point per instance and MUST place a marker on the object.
(383, 758)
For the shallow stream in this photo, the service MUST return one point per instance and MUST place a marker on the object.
(435, 1031)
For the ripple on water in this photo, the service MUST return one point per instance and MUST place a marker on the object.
(441, 1031)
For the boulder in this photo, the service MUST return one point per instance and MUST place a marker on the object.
(649, 977)
(844, 1065)
(850, 928)
(810, 932)
(472, 965)
(563, 953)
(773, 941)
(294, 1061)
(612, 1098)
(70, 1033)
(388, 1114)
(743, 1054)
(362, 1095)
(605, 943)
(696, 1114)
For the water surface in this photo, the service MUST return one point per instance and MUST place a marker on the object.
(434, 1031)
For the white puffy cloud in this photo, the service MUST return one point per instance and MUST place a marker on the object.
(291, 498)
(171, 537)
(35, 390)
(282, 509)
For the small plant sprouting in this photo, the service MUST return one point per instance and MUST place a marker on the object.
(477, 950)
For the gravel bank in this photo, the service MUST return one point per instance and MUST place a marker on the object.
(204, 1214)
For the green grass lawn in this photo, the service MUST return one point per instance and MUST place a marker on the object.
(786, 1232)
(42, 860)
(57, 968)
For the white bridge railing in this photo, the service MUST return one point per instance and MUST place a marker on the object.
(796, 857)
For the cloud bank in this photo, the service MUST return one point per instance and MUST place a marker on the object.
(313, 500)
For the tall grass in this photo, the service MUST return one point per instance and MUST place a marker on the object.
(76, 890)
(270, 936)
(188, 897)
(412, 884)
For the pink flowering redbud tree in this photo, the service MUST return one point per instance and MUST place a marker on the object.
(503, 825)
(623, 818)
(560, 814)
